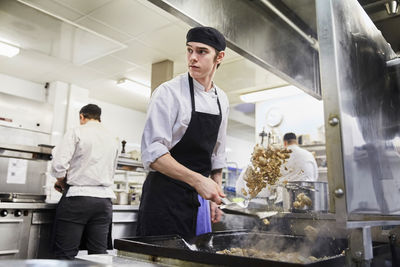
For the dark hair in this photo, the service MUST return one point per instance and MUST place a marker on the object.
(216, 55)
(289, 137)
(91, 112)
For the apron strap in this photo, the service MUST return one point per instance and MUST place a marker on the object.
(192, 95)
(191, 92)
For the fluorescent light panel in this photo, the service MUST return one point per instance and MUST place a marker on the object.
(8, 50)
(135, 87)
(269, 94)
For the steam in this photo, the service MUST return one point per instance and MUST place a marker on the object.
(304, 242)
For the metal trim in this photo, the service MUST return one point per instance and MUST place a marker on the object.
(312, 41)
(361, 224)
(8, 252)
(329, 81)
(11, 220)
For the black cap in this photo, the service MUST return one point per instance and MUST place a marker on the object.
(289, 136)
(208, 36)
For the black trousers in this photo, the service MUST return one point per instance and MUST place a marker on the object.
(78, 217)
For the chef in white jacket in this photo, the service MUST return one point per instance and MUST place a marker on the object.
(301, 165)
(183, 145)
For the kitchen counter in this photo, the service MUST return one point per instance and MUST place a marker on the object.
(27, 206)
(126, 207)
(27, 228)
(40, 206)
(88, 261)
(114, 260)
(306, 215)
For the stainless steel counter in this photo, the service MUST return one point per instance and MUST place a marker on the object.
(26, 228)
(126, 207)
(27, 206)
(308, 215)
(114, 260)
(89, 261)
(39, 206)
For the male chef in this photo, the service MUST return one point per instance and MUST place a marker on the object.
(183, 144)
(84, 165)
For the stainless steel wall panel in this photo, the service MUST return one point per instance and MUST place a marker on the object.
(363, 95)
(256, 33)
(31, 125)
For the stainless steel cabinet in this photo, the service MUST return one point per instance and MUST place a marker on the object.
(14, 232)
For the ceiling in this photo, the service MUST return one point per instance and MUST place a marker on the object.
(94, 43)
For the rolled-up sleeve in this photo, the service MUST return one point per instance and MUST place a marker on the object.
(62, 154)
(157, 134)
(218, 157)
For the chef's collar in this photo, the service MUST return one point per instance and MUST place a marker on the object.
(200, 87)
(92, 121)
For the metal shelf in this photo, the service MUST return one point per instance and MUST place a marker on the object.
(40, 152)
(129, 164)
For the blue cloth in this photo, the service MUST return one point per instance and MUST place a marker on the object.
(203, 217)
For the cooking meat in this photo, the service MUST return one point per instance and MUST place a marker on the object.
(265, 168)
(266, 221)
(293, 257)
(311, 233)
(302, 200)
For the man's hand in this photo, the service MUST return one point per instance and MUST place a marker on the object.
(216, 213)
(60, 185)
(209, 190)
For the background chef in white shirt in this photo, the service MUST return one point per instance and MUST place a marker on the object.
(84, 165)
(183, 144)
(301, 165)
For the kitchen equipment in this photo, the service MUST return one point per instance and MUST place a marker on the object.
(21, 197)
(203, 249)
(122, 198)
(316, 192)
(241, 208)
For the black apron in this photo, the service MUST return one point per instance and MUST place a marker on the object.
(169, 206)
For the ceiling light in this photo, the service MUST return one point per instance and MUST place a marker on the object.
(134, 87)
(269, 94)
(8, 50)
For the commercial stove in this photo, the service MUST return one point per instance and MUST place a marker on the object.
(203, 249)
(21, 197)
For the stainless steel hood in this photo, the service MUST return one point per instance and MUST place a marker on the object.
(255, 30)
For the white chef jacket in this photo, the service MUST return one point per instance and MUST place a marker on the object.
(301, 166)
(88, 155)
(169, 114)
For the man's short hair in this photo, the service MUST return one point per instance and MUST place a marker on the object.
(289, 137)
(91, 112)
